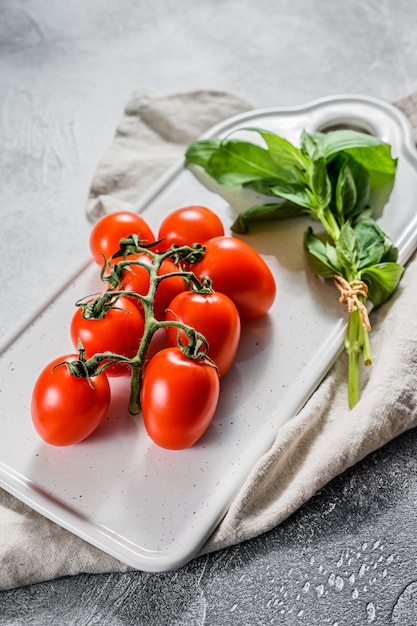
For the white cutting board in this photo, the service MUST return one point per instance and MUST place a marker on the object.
(151, 508)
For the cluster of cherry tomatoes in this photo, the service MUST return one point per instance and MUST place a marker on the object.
(198, 301)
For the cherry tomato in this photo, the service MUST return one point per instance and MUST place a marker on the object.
(137, 280)
(215, 316)
(119, 331)
(179, 398)
(238, 271)
(109, 229)
(188, 225)
(67, 409)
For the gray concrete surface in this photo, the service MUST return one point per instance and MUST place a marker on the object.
(67, 69)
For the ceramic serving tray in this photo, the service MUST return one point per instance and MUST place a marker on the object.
(151, 508)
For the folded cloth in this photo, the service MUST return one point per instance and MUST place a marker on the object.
(151, 138)
(316, 445)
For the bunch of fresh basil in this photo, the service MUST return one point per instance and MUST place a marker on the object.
(341, 178)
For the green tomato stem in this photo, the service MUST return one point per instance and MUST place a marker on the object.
(135, 389)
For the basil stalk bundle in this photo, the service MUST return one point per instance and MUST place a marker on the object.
(341, 179)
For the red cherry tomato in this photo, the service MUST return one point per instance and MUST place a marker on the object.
(188, 225)
(238, 271)
(137, 280)
(109, 229)
(67, 409)
(215, 316)
(119, 331)
(179, 398)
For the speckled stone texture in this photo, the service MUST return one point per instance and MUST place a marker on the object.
(348, 557)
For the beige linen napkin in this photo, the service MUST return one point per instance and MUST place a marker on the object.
(319, 443)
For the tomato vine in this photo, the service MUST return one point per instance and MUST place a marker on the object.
(113, 273)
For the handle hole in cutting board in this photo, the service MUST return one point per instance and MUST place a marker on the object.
(343, 124)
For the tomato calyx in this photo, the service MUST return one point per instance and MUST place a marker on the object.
(186, 254)
(179, 254)
(196, 350)
(95, 365)
(132, 243)
(81, 367)
(78, 368)
(96, 308)
(197, 345)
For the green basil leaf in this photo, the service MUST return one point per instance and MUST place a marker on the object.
(371, 243)
(374, 245)
(320, 184)
(295, 193)
(236, 163)
(382, 280)
(200, 152)
(381, 186)
(265, 212)
(375, 158)
(262, 186)
(345, 193)
(334, 259)
(347, 251)
(390, 252)
(336, 141)
(310, 147)
(317, 254)
(381, 168)
(360, 181)
(284, 153)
